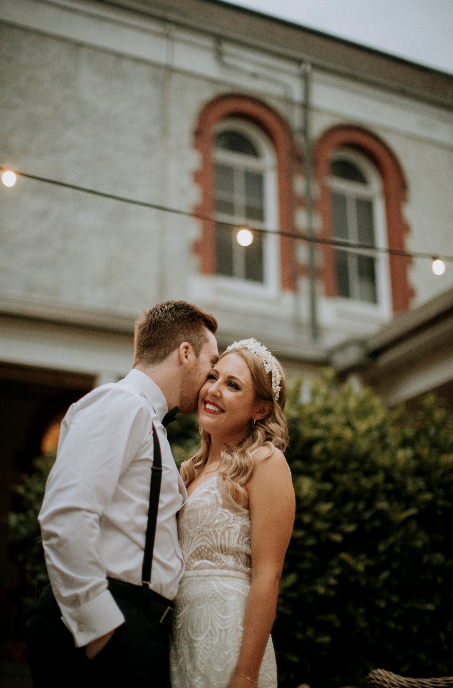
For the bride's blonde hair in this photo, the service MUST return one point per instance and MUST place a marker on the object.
(236, 460)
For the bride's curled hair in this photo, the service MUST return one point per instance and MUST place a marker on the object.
(236, 460)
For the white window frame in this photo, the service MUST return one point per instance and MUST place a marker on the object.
(267, 165)
(372, 191)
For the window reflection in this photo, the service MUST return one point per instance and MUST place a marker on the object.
(353, 218)
(239, 199)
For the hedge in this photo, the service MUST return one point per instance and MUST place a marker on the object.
(368, 576)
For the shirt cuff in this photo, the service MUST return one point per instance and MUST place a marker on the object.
(93, 619)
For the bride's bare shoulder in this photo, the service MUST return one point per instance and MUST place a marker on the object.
(270, 479)
(269, 453)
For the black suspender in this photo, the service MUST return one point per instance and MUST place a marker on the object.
(143, 597)
(156, 480)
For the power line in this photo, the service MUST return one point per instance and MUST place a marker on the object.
(300, 236)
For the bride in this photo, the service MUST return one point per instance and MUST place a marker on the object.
(240, 510)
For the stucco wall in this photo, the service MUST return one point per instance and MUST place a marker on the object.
(89, 118)
(111, 104)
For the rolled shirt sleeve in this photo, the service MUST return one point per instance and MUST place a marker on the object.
(101, 436)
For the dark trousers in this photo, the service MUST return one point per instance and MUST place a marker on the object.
(136, 656)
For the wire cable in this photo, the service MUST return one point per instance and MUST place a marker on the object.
(335, 243)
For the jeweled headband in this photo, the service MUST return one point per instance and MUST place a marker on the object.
(269, 362)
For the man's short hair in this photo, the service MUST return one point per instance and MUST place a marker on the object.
(164, 327)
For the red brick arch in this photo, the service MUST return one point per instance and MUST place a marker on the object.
(394, 191)
(252, 110)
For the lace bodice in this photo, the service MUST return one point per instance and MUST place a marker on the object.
(208, 620)
(214, 531)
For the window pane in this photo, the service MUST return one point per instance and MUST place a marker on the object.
(224, 179)
(239, 193)
(254, 259)
(224, 189)
(224, 250)
(344, 169)
(342, 273)
(367, 279)
(236, 142)
(253, 187)
(223, 206)
(340, 216)
(365, 223)
(253, 213)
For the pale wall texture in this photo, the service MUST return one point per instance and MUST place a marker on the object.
(112, 105)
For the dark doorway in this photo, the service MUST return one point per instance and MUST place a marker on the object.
(32, 401)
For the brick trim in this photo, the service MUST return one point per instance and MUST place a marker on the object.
(394, 191)
(257, 112)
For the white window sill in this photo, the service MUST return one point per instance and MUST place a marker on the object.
(224, 289)
(246, 287)
(350, 308)
(223, 285)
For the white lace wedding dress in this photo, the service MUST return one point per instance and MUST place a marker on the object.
(214, 534)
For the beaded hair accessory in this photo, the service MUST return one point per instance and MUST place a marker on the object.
(269, 362)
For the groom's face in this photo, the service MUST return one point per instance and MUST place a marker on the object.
(197, 375)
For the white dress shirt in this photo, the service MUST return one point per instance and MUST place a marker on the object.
(95, 510)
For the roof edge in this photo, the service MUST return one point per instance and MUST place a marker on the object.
(338, 39)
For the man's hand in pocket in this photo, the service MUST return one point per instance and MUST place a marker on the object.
(92, 649)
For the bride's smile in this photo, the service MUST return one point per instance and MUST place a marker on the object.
(212, 407)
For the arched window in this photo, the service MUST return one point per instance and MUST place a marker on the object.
(244, 194)
(362, 191)
(245, 177)
(356, 208)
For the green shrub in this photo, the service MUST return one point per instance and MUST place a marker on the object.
(25, 533)
(367, 578)
(183, 436)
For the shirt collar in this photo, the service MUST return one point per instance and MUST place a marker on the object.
(151, 391)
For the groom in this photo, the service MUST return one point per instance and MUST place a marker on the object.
(105, 619)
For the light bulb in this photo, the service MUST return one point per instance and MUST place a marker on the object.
(9, 178)
(244, 237)
(438, 266)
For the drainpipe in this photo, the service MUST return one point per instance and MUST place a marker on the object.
(306, 71)
(163, 291)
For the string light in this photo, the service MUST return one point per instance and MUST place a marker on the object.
(438, 266)
(309, 238)
(244, 237)
(9, 178)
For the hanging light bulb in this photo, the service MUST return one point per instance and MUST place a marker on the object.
(438, 266)
(9, 178)
(244, 237)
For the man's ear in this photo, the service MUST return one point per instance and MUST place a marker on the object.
(186, 353)
(262, 409)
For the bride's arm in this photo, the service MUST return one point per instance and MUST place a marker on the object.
(272, 509)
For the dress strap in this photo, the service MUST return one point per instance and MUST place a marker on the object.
(257, 449)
